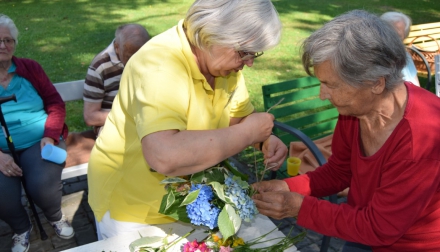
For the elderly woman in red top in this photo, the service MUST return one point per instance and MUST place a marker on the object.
(386, 145)
(35, 120)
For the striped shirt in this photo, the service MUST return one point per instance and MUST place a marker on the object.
(103, 76)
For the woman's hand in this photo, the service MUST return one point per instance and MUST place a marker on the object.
(46, 140)
(275, 200)
(275, 152)
(8, 166)
(258, 126)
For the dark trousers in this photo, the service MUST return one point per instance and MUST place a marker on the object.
(43, 183)
(355, 247)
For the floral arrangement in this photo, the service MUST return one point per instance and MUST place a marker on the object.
(215, 243)
(218, 197)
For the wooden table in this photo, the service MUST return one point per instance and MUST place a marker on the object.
(261, 225)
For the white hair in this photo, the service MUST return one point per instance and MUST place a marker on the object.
(361, 48)
(248, 25)
(7, 22)
(393, 17)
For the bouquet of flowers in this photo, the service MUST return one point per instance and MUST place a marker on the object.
(218, 197)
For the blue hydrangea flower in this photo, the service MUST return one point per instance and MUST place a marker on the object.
(244, 205)
(201, 211)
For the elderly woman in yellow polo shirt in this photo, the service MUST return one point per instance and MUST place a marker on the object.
(182, 107)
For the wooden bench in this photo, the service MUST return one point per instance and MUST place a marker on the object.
(424, 37)
(79, 144)
(421, 30)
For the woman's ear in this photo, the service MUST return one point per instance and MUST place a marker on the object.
(116, 46)
(379, 86)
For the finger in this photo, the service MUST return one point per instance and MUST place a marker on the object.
(272, 117)
(276, 161)
(269, 209)
(5, 172)
(14, 170)
(8, 172)
(262, 187)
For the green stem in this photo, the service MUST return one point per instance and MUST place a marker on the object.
(178, 240)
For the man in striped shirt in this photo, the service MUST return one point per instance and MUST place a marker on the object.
(104, 73)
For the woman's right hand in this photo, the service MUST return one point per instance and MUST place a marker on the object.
(8, 166)
(259, 125)
(274, 199)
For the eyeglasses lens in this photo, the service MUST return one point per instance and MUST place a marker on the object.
(7, 41)
(247, 55)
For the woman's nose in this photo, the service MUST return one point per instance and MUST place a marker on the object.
(249, 62)
(323, 94)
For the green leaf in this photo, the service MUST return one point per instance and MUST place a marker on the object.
(172, 180)
(180, 214)
(147, 242)
(190, 198)
(175, 210)
(242, 183)
(198, 177)
(228, 222)
(229, 201)
(219, 190)
(216, 174)
(234, 217)
(235, 171)
(170, 200)
(163, 204)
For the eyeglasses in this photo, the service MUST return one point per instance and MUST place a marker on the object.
(7, 41)
(247, 55)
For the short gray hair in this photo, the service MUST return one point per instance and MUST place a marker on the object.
(135, 34)
(247, 25)
(361, 48)
(393, 17)
(7, 22)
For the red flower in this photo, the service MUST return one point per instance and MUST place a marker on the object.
(194, 246)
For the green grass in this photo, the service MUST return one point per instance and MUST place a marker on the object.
(65, 35)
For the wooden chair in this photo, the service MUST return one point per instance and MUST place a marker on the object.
(422, 43)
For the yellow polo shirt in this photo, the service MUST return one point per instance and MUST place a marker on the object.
(161, 89)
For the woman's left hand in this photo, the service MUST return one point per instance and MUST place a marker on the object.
(278, 204)
(46, 140)
(275, 152)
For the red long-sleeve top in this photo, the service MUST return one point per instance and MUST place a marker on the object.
(53, 103)
(394, 199)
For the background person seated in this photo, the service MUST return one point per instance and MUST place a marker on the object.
(402, 24)
(35, 120)
(104, 73)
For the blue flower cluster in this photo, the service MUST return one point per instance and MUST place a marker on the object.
(244, 204)
(201, 211)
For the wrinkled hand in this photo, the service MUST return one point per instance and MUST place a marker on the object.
(259, 126)
(274, 185)
(8, 166)
(46, 140)
(275, 152)
(274, 201)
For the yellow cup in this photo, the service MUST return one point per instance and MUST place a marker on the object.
(293, 164)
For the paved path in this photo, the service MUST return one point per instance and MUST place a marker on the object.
(77, 210)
